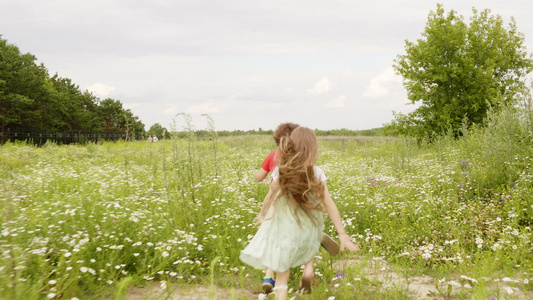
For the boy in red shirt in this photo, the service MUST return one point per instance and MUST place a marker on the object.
(269, 164)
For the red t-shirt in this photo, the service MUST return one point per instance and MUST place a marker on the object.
(269, 164)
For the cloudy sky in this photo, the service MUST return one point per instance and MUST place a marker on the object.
(249, 64)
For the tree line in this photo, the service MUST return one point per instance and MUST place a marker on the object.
(31, 98)
(162, 132)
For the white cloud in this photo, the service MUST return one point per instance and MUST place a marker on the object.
(209, 107)
(132, 106)
(379, 86)
(270, 107)
(340, 102)
(320, 88)
(100, 90)
(171, 110)
(348, 73)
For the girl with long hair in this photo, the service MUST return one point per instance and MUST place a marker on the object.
(291, 216)
(268, 166)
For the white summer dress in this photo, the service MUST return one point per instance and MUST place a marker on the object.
(280, 244)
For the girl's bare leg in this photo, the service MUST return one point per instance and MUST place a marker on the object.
(281, 289)
(270, 273)
(307, 277)
(268, 281)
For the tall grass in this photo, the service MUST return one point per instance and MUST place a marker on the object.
(89, 221)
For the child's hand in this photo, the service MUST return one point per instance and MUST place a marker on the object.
(258, 219)
(347, 243)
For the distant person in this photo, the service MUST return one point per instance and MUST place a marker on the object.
(268, 166)
(155, 138)
(291, 216)
(150, 139)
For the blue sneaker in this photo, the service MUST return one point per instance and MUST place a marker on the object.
(268, 284)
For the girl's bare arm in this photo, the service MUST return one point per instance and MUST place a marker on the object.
(334, 215)
(266, 205)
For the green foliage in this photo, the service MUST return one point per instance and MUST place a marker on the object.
(30, 98)
(458, 71)
(21, 83)
(497, 155)
(73, 109)
(159, 131)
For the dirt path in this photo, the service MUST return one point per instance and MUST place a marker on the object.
(190, 292)
(424, 287)
(376, 270)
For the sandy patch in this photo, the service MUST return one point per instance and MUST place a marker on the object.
(187, 292)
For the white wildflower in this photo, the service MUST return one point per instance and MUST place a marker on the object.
(509, 290)
(455, 283)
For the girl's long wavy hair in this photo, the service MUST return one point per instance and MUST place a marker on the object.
(297, 183)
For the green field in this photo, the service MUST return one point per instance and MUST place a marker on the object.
(96, 221)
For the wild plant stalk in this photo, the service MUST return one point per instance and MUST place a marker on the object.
(175, 148)
(170, 203)
(128, 127)
(527, 109)
(211, 127)
(127, 169)
(190, 140)
(8, 217)
(212, 275)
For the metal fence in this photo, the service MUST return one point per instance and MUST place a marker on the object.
(40, 137)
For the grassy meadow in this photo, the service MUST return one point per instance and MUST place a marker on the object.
(93, 221)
